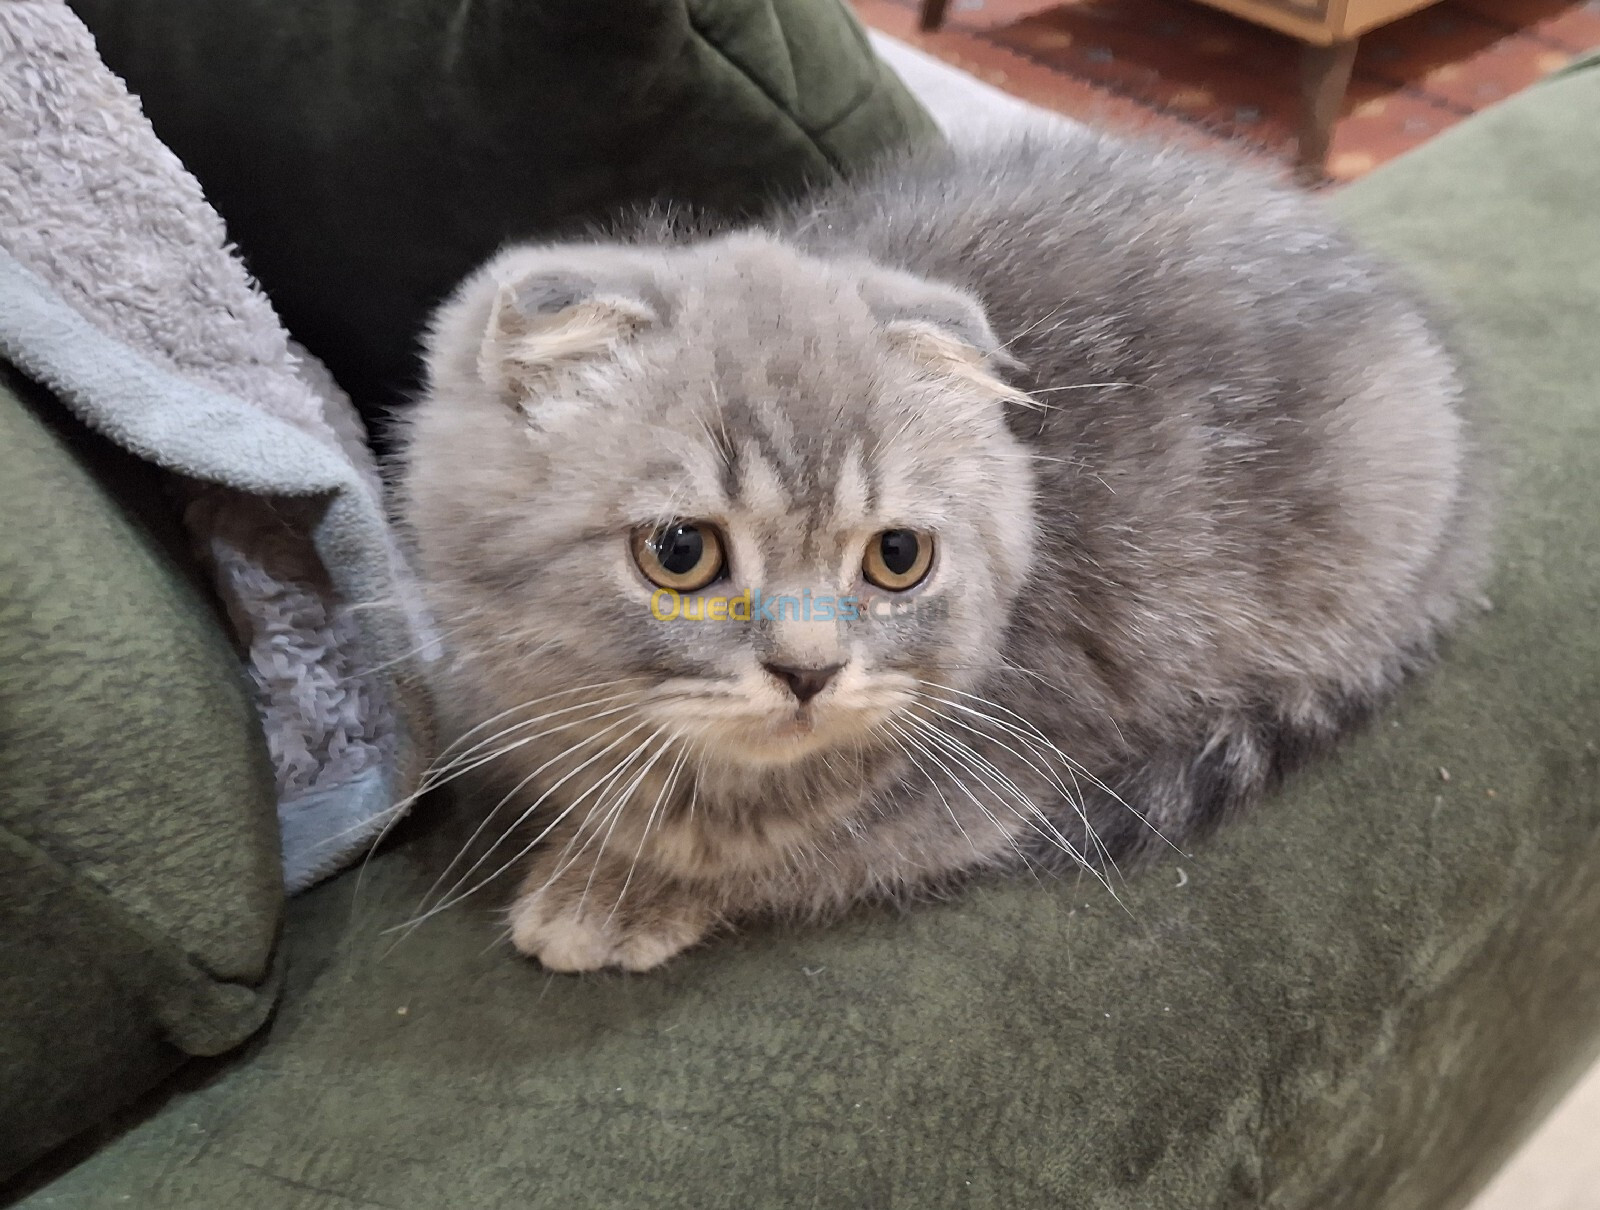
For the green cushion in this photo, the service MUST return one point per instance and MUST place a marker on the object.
(140, 890)
(1355, 999)
(367, 154)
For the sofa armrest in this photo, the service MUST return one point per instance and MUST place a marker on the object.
(140, 891)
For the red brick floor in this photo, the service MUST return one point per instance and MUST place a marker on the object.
(1181, 70)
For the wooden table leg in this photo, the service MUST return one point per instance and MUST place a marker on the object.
(1324, 76)
(932, 16)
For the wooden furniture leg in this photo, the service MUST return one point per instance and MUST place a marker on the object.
(1324, 76)
(932, 16)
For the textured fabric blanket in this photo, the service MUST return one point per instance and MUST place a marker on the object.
(119, 290)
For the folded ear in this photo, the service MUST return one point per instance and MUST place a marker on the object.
(941, 326)
(539, 324)
(531, 313)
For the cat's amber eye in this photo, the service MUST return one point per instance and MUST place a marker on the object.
(898, 559)
(684, 556)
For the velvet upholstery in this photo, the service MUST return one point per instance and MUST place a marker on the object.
(140, 891)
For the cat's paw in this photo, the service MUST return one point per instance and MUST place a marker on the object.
(576, 937)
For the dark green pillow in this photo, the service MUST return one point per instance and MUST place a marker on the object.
(140, 890)
(367, 154)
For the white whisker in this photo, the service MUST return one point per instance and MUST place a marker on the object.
(932, 781)
(442, 764)
(668, 785)
(569, 750)
(1030, 814)
(989, 815)
(616, 815)
(599, 814)
(1073, 797)
(452, 897)
(1032, 736)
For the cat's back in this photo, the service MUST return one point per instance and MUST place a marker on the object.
(1090, 236)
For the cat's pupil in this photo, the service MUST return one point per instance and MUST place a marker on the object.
(899, 550)
(679, 548)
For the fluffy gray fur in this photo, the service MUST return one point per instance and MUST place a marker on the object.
(1201, 486)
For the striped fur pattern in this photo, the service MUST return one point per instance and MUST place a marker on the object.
(1198, 473)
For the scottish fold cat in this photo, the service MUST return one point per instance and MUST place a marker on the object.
(1034, 505)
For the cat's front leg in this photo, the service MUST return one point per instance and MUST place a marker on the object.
(590, 917)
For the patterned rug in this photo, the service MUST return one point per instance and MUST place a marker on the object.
(1189, 73)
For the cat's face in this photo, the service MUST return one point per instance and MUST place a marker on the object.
(742, 497)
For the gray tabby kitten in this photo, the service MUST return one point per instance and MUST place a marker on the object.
(1105, 486)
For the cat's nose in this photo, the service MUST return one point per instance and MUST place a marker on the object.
(804, 683)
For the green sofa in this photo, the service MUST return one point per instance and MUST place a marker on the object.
(1358, 999)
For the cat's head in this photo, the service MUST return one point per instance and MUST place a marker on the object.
(760, 498)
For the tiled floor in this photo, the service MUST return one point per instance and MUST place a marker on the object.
(1189, 72)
